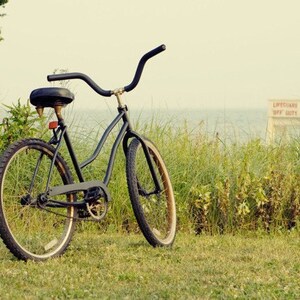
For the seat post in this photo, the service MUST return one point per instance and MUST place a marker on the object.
(58, 109)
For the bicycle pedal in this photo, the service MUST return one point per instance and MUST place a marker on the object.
(93, 193)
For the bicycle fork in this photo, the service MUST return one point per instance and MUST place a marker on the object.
(157, 187)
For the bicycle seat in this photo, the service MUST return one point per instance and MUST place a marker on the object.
(51, 96)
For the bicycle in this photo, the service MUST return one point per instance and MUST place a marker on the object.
(41, 202)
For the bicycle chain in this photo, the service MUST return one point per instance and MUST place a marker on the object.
(65, 216)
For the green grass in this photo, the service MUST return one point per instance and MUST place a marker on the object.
(118, 266)
(221, 185)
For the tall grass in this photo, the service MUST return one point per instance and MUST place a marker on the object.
(220, 185)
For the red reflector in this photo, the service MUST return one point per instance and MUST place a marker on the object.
(53, 124)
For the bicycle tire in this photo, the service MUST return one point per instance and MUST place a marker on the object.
(155, 213)
(29, 231)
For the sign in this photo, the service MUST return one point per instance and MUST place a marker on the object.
(284, 109)
(283, 119)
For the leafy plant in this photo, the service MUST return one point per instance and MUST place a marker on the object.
(2, 3)
(21, 121)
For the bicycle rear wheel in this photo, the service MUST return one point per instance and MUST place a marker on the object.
(154, 210)
(29, 230)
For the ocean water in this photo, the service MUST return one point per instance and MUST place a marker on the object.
(233, 124)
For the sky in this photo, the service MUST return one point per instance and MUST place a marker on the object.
(221, 54)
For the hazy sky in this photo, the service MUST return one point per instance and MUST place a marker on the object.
(220, 54)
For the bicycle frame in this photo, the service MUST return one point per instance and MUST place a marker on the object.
(62, 134)
(124, 135)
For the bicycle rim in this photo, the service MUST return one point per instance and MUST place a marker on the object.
(28, 230)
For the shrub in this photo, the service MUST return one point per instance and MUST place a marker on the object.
(21, 121)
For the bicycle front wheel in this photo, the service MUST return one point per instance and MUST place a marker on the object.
(154, 209)
(29, 229)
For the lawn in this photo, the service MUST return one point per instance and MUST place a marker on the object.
(119, 266)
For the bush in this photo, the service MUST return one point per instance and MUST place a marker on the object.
(256, 186)
(21, 121)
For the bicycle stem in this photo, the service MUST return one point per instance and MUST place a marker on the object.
(118, 93)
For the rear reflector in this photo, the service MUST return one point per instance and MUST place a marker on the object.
(53, 124)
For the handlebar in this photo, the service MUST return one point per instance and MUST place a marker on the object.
(108, 93)
(141, 65)
(87, 79)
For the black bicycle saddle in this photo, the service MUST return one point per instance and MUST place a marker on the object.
(51, 96)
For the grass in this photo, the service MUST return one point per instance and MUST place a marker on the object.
(221, 185)
(118, 266)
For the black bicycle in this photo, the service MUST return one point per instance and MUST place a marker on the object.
(41, 202)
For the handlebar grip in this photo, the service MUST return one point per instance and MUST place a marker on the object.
(141, 65)
(88, 80)
(154, 52)
(57, 77)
